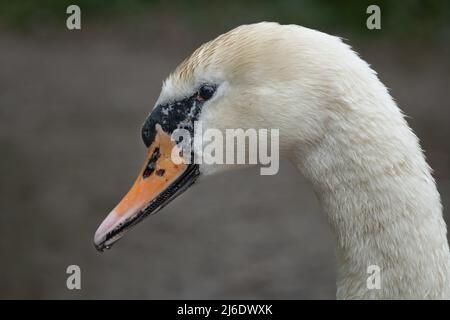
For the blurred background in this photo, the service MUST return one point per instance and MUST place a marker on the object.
(71, 108)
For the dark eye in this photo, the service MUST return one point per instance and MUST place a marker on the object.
(206, 91)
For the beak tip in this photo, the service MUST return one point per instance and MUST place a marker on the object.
(100, 237)
(99, 248)
(98, 242)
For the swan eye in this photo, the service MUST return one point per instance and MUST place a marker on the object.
(206, 92)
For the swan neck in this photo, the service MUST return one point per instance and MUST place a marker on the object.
(372, 180)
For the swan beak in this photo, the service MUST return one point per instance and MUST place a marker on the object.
(159, 181)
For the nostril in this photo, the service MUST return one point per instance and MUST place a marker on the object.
(160, 172)
(151, 164)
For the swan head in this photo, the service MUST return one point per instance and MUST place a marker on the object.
(263, 75)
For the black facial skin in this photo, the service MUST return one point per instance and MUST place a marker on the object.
(177, 115)
(151, 164)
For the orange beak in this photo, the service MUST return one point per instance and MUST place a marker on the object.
(159, 181)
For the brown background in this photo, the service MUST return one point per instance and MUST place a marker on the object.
(71, 107)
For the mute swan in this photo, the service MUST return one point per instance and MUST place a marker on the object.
(338, 125)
